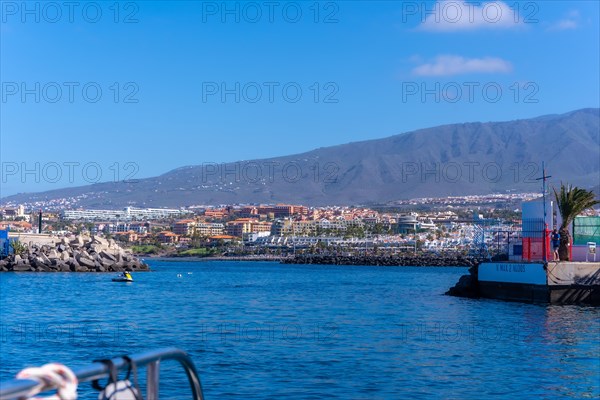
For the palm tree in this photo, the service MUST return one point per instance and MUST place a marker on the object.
(571, 202)
(18, 247)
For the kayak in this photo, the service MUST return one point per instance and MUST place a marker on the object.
(122, 280)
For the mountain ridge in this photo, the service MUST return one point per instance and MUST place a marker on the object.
(447, 160)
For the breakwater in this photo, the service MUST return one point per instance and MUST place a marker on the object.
(416, 260)
(76, 254)
(219, 258)
(467, 285)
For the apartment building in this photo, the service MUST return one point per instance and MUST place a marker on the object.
(241, 226)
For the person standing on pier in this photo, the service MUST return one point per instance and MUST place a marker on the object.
(555, 238)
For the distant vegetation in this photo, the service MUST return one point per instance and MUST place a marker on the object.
(152, 249)
(146, 249)
(199, 252)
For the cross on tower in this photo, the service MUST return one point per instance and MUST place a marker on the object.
(544, 178)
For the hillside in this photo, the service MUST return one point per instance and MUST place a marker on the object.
(449, 160)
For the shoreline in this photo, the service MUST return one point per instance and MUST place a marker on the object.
(212, 258)
(419, 260)
(404, 260)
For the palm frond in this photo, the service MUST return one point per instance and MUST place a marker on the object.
(572, 201)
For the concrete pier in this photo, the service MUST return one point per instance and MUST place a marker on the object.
(554, 282)
(574, 282)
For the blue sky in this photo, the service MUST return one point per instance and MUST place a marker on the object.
(134, 89)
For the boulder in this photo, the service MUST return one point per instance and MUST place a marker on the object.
(117, 267)
(77, 242)
(106, 263)
(63, 267)
(85, 254)
(97, 247)
(100, 240)
(83, 261)
(108, 256)
(45, 259)
(21, 268)
(467, 285)
(37, 261)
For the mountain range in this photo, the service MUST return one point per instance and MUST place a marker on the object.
(450, 160)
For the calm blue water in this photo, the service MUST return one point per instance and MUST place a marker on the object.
(260, 330)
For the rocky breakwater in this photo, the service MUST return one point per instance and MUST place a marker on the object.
(415, 260)
(467, 285)
(75, 254)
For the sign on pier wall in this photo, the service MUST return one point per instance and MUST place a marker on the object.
(528, 273)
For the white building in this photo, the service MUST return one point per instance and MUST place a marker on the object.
(127, 214)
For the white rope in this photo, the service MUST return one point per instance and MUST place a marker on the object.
(49, 377)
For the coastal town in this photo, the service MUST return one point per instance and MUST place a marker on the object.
(467, 224)
(299, 199)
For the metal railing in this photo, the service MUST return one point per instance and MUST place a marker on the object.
(18, 388)
(517, 244)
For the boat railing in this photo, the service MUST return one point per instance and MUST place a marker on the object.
(20, 388)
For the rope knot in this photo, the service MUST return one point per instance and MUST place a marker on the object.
(49, 377)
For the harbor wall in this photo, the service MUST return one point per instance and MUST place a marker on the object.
(31, 239)
(561, 282)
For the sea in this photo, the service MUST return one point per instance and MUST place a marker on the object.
(262, 330)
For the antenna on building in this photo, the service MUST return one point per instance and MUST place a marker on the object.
(543, 178)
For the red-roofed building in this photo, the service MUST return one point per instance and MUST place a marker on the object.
(167, 237)
(184, 227)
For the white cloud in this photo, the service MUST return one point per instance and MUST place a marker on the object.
(570, 22)
(447, 65)
(453, 15)
(565, 24)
